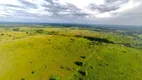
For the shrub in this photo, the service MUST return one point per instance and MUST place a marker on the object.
(2, 34)
(83, 57)
(83, 73)
(40, 31)
(9, 35)
(79, 63)
(61, 67)
(32, 72)
(16, 29)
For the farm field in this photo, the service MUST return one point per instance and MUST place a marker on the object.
(70, 53)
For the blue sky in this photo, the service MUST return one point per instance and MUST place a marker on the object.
(122, 12)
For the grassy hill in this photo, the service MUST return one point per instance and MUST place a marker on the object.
(35, 53)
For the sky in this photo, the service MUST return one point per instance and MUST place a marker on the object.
(118, 12)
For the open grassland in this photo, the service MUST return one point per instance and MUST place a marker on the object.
(49, 53)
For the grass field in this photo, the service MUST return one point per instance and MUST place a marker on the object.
(50, 53)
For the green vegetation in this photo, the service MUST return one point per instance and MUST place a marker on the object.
(54, 78)
(53, 53)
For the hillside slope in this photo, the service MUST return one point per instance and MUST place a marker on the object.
(66, 54)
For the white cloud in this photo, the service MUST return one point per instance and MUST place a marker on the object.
(101, 9)
(14, 2)
(104, 15)
(123, 7)
(82, 3)
(131, 4)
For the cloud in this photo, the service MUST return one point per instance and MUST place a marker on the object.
(11, 5)
(109, 5)
(68, 10)
(114, 1)
(103, 8)
(28, 4)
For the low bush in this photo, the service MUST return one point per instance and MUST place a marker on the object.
(79, 63)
